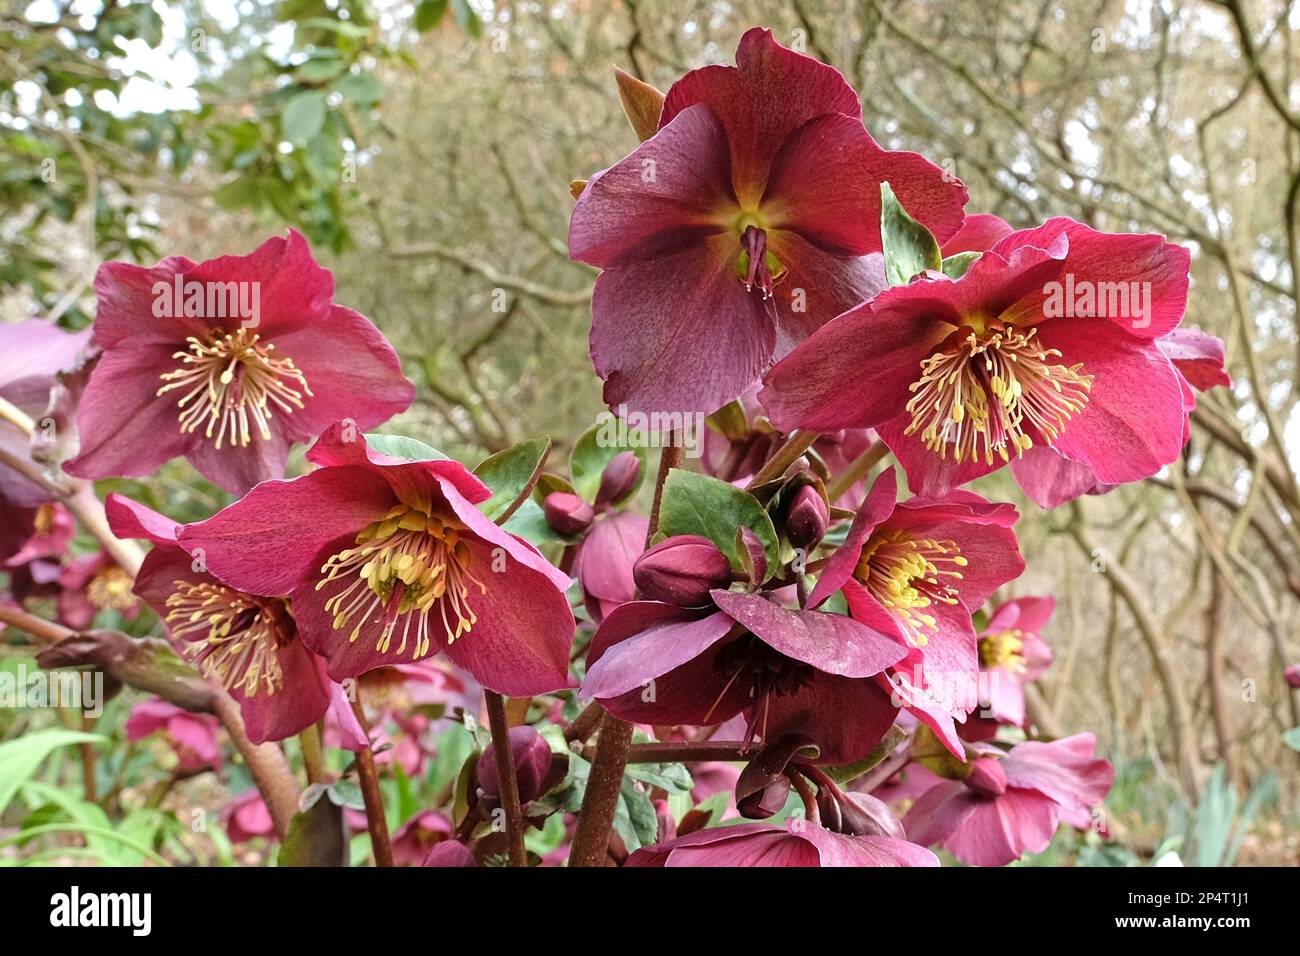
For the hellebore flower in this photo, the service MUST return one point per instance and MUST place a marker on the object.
(914, 570)
(414, 839)
(788, 671)
(192, 736)
(1048, 339)
(227, 362)
(32, 353)
(603, 565)
(449, 853)
(798, 843)
(94, 583)
(1012, 654)
(387, 561)
(247, 817)
(51, 532)
(745, 222)
(1292, 676)
(245, 642)
(1012, 805)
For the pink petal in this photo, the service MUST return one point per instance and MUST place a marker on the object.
(1051, 480)
(978, 232)
(845, 716)
(643, 640)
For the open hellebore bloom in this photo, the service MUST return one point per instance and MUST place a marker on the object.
(388, 561)
(915, 570)
(32, 352)
(94, 583)
(1012, 804)
(745, 222)
(787, 671)
(1012, 654)
(193, 737)
(798, 843)
(1048, 339)
(227, 362)
(247, 643)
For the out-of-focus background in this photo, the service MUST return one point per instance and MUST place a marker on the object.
(426, 150)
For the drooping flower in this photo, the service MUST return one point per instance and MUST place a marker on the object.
(247, 643)
(93, 583)
(228, 363)
(247, 817)
(414, 839)
(745, 222)
(915, 571)
(193, 737)
(1011, 655)
(32, 353)
(1012, 804)
(1048, 339)
(387, 560)
(798, 843)
(603, 565)
(787, 671)
(52, 529)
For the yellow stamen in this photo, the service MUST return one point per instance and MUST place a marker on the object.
(1003, 650)
(240, 637)
(907, 575)
(230, 383)
(987, 392)
(111, 589)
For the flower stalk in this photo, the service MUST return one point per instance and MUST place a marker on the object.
(508, 780)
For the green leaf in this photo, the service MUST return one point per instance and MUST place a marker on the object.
(593, 451)
(673, 777)
(399, 446)
(908, 246)
(317, 837)
(20, 758)
(360, 88)
(467, 18)
(303, 116)
(635, 819)
(320, 69)
(529, 522)
(346, 792)
(429, 14)
(697, 504)
(511, 475)
(1292, 738)
(955, 266)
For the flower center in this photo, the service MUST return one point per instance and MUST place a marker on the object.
(111, 589)
(239, 636)
(991, 390)
(767, 672)
(907, 575)
(43, 522)
(1003, 650)
(405, 565)
(757, 267)
(229, 384)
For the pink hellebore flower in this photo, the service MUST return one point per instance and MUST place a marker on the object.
(1012, 654)
(192, 736)
(1048, 339)
(798, 843)
(387, 561)
(94, 583)
(915, 570)
(227, 362)
(744, 223)
(787, 671)
(603, 565)
(50, 533)
(1012, 805)
(247, 643)
(417, 836)
(247, 817)
(32, 352)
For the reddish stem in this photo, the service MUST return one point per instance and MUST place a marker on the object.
(506, 777)
(376, 823)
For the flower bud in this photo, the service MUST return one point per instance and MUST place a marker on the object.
(449, 853)
(682, 570)
(1292, 675)
(532, 756)
(987, 777)
(765, 802)
(619, 478)
(807, 518)
(566, 513)
(864, 815)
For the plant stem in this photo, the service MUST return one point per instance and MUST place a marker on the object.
(508, 782)
(313, 757)
(265, 762)
(688, 752)
(795, 445)
(583, 724)
(596, 819)
(44, 631)
(16, 416)
(376, 823)
(856, 469)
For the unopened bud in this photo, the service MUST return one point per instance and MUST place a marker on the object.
(532, 756)
(1292, 675)
(682, 570)
(864, 815)
(449, 853)
(566, 513)
(619, 478)
(807, 518)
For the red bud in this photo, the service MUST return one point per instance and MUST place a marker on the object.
(682, 570)
(1292, 675)
(807, 518)
(987, 777)
(449, 853)
(532, 756)
(567, 514)
(619, 478)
